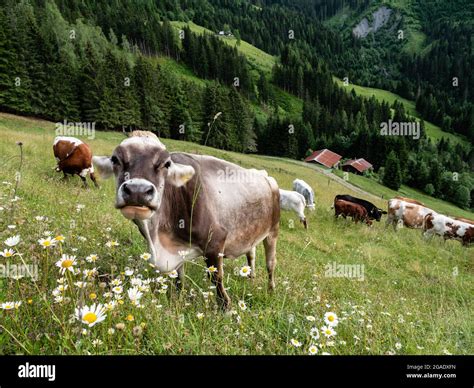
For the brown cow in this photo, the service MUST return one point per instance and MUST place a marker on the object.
(74, 157)
(354, 210)
(467, 220)
(406, 213)
(187, 206)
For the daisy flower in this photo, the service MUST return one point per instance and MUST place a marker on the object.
(242, 305)
(116, 282)
(117, 289)
(59, 238)
(110, 244)
(66, 263)
(328, 331)
(10, 305)
(331, 319)
(134, 295)
(145, 256)
(97, 342)
(92, 258)
(12, 241)
(312, 350)
(398, 346)
(7, 253)
(295, 343)
(245, 271)
(199, 316)
(47, 242)
(310, 318)
(314, 333)
(91, 315)
(211, 269)
(173, 274)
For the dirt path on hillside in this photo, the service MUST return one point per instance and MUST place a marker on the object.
(330, 175)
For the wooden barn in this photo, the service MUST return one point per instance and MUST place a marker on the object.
(324, 157)
(356, 166)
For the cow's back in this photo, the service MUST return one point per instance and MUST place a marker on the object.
(73, 156)
(244, 203)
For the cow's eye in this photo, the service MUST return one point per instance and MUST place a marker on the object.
(167, 164)
(114, 160)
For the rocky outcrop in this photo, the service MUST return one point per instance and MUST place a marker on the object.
(380, 18)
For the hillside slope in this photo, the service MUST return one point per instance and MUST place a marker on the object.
(413, 297)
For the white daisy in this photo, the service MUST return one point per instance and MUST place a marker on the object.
(92, 258)
(328, 331)
(47, 242)
(134, 295)
(12, 241)
(245, 271)
(295, 343)
(91, 315)
(173, 274)
(314, 333)
(310, 318)
(7, 253)
(242, 305)
(331, 319)
(145, 256)
(66, 263)
(312, 350)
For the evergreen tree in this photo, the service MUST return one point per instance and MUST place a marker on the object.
(392, 177)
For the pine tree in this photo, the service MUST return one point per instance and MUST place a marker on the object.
(392, 177)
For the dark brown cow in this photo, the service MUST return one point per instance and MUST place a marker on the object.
(350, 209)
(74, 157)
(187, 206)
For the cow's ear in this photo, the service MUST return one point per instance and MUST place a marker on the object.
(179, 174)
(104, 165)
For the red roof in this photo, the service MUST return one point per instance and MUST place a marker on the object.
(359, 164)
(325, 157)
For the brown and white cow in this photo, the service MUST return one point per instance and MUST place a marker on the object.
(467, 220)
(407, 212)
(74, 157)
(350, 209)
(448, 228)
(187, 206)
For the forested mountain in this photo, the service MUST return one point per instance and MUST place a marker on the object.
(100, 61)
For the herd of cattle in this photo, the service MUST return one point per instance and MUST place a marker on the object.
(182, 209)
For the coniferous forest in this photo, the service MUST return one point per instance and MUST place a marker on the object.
(104, 62)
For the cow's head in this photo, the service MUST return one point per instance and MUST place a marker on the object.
(377, 213)
(142, 167)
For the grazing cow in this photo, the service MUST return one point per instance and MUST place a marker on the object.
(373, 211)
(184, 209)
(74, 157)
(351, 209)
(448, 228)
(306, 191)
(408, 213)
(293, 201)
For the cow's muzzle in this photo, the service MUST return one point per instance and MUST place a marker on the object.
(137, 199)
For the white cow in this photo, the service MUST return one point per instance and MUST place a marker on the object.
(293, 201)
(306, 191)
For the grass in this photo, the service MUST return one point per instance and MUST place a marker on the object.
(415, 297)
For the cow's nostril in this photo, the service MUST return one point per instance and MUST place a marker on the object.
(126, 190)
(150, 191)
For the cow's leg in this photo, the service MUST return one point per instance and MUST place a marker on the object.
(218, 279)
(179, 281)
(83, 179)
(270, 243)
(303, 221)
(251, 261)
(93, 179)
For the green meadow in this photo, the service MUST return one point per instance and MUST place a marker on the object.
(405, 295)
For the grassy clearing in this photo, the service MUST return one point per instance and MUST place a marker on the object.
(416, 296)
(258, 58)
